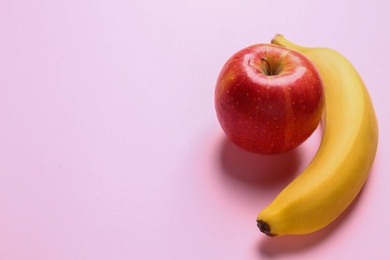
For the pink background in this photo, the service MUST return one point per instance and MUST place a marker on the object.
(109, 143)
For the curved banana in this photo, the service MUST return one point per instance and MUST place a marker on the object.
(343, 161)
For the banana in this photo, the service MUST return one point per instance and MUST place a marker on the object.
(343, 161)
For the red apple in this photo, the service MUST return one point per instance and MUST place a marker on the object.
(268, 99)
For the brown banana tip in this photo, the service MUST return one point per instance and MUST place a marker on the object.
(265, 228)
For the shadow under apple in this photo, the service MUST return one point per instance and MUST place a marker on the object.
(262, 171)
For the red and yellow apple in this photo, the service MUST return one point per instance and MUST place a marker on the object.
(268, 99)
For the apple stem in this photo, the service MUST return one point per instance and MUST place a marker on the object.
(269, 70)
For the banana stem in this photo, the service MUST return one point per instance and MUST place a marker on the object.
(281, 41)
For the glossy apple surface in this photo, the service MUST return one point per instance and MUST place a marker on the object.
(268, 99)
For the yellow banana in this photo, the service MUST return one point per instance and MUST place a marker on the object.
(343, 161)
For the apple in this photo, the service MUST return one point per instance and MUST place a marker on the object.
(268, 99)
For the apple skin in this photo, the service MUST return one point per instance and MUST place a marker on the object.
(268, 99)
